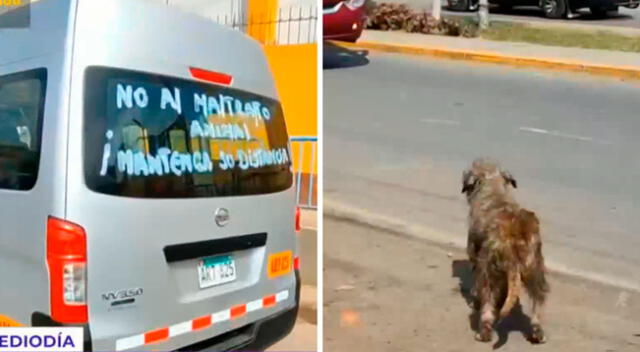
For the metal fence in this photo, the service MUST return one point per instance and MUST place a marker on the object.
(305, 150)
(295, 25)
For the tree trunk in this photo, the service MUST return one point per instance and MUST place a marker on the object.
(435, 11)
(483, 14)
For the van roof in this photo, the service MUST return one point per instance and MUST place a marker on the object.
(150, 34)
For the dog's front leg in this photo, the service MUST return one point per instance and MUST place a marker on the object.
(473, 249)
(537, 333)
(487, 308)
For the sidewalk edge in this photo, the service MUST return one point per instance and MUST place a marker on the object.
(341, 211)
(498, 58)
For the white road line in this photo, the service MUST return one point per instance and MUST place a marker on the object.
(562, 135)
(441, 122)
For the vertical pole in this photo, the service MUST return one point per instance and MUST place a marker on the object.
(436, 7)
(299, 176)
(483, 14)
(311, 174)
(263, 11)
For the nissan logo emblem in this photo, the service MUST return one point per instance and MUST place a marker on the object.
(222, 217)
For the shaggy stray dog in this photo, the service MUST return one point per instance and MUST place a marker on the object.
(504, 247)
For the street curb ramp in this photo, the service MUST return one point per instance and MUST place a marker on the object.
(341, 211)
(498, 58)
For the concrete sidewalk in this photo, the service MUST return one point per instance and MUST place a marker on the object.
(612, 63)
(404, 294)
(304, 334)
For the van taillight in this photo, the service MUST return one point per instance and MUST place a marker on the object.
(298, 228)
(67, 260)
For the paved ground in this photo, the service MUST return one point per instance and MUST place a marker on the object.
(386, 292)
(398, 131)
(304, 334)
(624, 18)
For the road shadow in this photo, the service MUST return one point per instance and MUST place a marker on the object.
(335, 57)
(584, 14)
(531, 11)
(515, 321)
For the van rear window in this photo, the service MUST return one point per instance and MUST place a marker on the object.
(153, 136)
(21, 108)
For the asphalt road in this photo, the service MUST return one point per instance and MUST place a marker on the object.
(386, 292)
(624, 18)
(399, 130)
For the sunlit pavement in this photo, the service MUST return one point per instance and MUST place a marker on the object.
(303, 337)
(399, 131)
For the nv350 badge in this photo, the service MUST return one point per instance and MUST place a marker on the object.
(121, 297)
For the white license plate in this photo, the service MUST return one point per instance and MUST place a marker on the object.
(214, 271)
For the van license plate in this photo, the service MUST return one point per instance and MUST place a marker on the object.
(216, 271)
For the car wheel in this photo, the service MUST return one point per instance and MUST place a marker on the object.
(459, 5)
(602, 12)
(505, 5)
(554, 8)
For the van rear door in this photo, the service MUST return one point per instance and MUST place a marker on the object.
(186, 197)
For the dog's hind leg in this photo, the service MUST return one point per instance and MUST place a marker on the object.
(537, 288)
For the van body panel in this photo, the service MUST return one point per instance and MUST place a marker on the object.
(126, 236)
(150, 37)
(44, 45)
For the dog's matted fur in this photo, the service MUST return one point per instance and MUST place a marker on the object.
(504, 247)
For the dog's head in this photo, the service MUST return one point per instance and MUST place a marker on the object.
(485, 171)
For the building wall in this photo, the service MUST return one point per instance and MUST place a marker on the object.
(222, 11)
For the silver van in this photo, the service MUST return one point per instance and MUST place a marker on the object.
(145, 180)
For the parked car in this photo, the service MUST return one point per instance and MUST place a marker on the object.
(145, 180)
(552, 8)
(343, 19)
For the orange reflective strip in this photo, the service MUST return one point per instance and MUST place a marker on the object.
(201, 323)
(156, 336)
(269, 301)
(238, 311)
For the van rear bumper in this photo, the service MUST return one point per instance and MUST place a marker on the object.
(256, 336)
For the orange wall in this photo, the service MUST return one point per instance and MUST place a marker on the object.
(262, 15)
(295, 70)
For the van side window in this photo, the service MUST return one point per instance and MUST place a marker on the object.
(21, 108)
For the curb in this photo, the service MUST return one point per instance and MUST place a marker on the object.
(498, 58)
(400, 228)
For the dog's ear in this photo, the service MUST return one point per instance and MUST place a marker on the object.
(509, 178)
(468, 181)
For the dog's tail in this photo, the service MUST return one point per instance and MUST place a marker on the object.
(513, 292)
